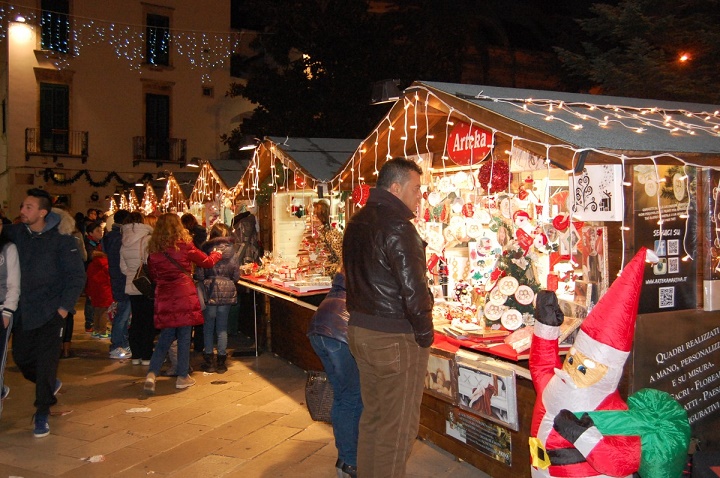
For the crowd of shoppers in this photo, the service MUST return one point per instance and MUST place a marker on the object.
(372, 338)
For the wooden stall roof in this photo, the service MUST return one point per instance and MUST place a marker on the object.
(568, 128)
(229, 170)
(307, 161)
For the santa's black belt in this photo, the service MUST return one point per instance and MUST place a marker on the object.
(565, 456)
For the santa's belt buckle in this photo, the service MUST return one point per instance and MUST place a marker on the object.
(540, 458)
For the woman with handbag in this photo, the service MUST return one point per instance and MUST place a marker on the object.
(177, 308)
(133, 253)
(221, 293)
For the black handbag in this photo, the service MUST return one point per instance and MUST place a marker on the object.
(142, 282)
(319, 396)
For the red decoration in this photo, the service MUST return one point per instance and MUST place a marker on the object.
(500, 173)
(360, 194)
(468, 144)
(468, 209)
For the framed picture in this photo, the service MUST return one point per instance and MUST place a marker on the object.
(488, 390)
(440, 379)
(592, 257)
(585, 293)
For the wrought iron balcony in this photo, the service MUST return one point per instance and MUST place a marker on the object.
(58, 143)
(159, 150)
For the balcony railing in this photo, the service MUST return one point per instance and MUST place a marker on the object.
(58, 143)
(159, 150)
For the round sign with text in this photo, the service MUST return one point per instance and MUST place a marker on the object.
(468, 144)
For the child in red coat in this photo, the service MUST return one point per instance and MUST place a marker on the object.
(99, 292)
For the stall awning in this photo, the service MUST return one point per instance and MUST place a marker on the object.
(568, 129)
(284, 163)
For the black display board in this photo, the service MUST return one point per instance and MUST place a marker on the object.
(666, 194)
(679, 353)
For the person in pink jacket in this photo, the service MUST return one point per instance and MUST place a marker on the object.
(172, 255)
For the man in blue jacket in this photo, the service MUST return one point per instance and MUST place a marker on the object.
(111, 243)
(52, 276)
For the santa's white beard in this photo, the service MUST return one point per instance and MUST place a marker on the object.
(559, 395)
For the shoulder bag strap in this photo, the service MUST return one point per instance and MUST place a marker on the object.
(177, 264)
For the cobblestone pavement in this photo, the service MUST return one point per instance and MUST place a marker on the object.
(249, 422)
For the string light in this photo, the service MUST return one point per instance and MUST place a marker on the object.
(207, 51)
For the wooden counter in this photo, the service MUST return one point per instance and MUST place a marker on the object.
(290, 313)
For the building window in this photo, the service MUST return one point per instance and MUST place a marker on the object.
(157, 39)
(54, 118)
(208, 91)
(157, 126)
(55, 25)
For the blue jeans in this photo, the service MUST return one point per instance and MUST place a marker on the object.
(166, 338)
(119, 335)
(347, 404)
(216, 321)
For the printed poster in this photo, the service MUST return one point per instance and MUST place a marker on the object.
(666, 194)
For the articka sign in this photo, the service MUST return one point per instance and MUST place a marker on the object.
(468, 144)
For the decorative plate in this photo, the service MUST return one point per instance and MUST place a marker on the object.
(445, 184)
(679, 186)
(524, 295)
(511, 319)
(434, 199)
(474, 228)
(483, 215)
(508, 285)
(651, 188)
(497, 297)
(493, 311)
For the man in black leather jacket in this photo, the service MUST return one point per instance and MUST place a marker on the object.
(390, 327)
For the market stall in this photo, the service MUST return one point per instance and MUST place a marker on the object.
(526, 190)
(285, 178)
(208, 197)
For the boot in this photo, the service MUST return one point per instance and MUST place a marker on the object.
(208, 365)
(221, 367)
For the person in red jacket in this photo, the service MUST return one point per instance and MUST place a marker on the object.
(99, 292)
(177, 307)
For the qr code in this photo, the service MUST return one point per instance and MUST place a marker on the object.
(673, 265)
(667, 297)
(673, 247)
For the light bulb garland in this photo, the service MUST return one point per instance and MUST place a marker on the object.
(658, 118)
(173, 199)
(207, 51)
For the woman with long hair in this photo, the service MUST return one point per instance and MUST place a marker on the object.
(177, 307)
(219, 282)
(133, 253)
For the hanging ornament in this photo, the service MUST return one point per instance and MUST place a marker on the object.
(468, 209)
(360, 194)
(496, 171)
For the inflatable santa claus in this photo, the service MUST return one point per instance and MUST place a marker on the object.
(581, 426)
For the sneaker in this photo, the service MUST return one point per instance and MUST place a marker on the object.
(88, 329)
(149, 387)
(136, 361)
(145, 362)
(58, 386)
(5, 392)
(97, 335)
(119, 353)
(184, 382)
(42, 429)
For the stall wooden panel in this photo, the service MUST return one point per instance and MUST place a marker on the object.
(288, 325)
(434, 414)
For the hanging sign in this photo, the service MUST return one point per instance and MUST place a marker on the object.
(468, 144)
(596, 193)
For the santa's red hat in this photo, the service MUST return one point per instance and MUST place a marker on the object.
(606, 335)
